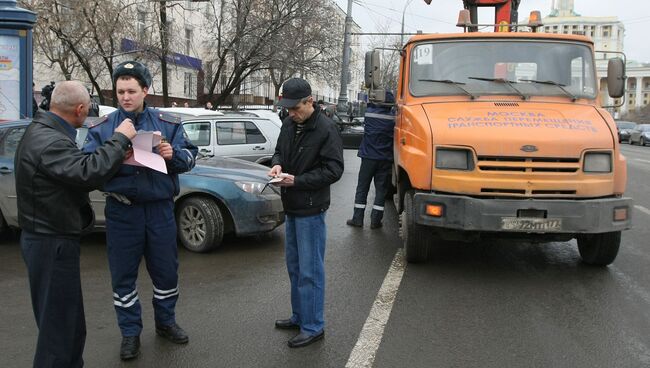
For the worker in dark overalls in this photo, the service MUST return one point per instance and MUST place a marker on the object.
(376, 152)
(140, 211)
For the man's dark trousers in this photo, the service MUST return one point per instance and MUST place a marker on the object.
(55, 283)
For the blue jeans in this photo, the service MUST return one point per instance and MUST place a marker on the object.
(305, 254)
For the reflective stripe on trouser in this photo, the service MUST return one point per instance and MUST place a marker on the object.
(305, 238)
(142, 230)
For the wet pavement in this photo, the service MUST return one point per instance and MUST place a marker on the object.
(488, 304)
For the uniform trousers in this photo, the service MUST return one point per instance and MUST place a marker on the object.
(379, 172)
(55, 284)
(132, 232)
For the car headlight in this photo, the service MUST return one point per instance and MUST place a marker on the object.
(251, 187)
(454, 159)
(597, 162)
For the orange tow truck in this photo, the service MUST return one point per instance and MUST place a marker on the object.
(501, 134)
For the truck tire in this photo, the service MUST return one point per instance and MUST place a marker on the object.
(199, 224)
(416, 238)
(599, 249)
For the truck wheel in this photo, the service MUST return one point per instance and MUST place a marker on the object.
(599, 249)
(200, 224)
(416, 238)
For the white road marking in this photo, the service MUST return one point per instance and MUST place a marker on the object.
(363, 354)
(646, 161)
(642, 209)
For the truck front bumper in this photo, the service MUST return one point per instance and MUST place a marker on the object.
(541, 216)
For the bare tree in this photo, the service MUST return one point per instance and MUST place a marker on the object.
(89, 33)
(390, 57)
(307, 46)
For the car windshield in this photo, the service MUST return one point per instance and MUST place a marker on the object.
(625, 125)
(503, 67)
(644, 128)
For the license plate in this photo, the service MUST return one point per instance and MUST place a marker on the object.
(531, 224)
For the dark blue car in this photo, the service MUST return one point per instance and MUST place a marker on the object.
(219, 196)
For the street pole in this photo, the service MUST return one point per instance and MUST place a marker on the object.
(403, 12)
(343, 95)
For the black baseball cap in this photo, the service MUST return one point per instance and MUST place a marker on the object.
(294, 90)
(134, 69)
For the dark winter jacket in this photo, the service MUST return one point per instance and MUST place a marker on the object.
(315, 159)
(378, 127)
(53, 176)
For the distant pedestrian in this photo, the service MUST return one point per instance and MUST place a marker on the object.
(376, 152)
(308, 159)
(208, 106)
(174, 104)
(53, 178)
(186, 104)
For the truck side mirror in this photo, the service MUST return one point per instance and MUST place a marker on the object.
(616, 77)
(373, 67)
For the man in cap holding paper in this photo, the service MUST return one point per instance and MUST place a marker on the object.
(308, 159)
(140, 211)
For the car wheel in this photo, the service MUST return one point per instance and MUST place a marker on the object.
(642, 141)
(200, 224)
(599, 249)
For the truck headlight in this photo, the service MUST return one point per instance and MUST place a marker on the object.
(454, 159)
(250, 187)
(597, 162)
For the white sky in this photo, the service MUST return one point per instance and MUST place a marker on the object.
(441, 16)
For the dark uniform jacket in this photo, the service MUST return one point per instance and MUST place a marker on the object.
(141, 184)
(315, 159)
(53, 177)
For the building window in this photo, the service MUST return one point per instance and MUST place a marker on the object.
(607, 31)
(188, 41)
(566, 30)
(189, 85)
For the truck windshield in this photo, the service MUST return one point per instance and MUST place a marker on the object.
(533, 68)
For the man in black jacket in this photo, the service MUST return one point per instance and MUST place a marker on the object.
(53, 178)
(308, 159)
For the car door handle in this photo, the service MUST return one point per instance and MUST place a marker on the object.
(258, 148)
(204, 150)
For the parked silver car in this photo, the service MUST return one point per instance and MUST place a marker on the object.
(640, 135)
(242, 136)
(219, 196)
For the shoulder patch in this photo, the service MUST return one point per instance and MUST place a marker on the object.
(98, 121)
(170, 118)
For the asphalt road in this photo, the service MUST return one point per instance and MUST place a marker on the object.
(489, 304)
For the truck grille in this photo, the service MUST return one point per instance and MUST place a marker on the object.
(538, 165)
(528, 164)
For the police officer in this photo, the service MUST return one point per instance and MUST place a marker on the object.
(376, 152)
(140, 211)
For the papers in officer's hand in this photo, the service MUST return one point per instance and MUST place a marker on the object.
(143, 144)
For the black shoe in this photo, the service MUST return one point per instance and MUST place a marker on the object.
(286, 324)
(173, 333)
(130, 347)
(303, 339)
(354, 223)
(376, 225)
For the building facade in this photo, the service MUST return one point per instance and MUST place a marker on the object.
(191, 60)
(608, 34)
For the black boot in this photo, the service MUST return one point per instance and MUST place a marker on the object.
(173, 333)
(357, 217)
(130, 347)
(375, 218)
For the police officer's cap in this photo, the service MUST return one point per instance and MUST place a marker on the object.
(134, 69)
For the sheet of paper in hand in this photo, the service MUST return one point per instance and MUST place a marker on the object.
(143, 155)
